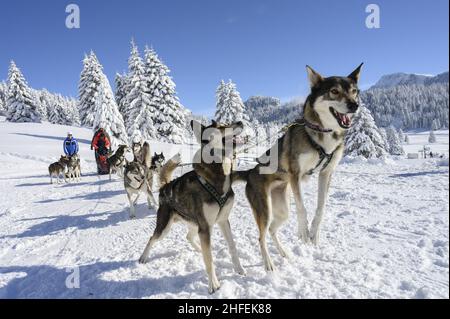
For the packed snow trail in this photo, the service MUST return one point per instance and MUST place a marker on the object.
(385, 233)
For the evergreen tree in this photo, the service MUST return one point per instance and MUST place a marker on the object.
(88, 88)
(431, 137)
(401, 135)
(108, 116)
(435, 125)
(395, 146)
(121, 92)
(364, 138)
(170, 116)
(140, 108)
(3, 94)
(20, 105)
(230, 108)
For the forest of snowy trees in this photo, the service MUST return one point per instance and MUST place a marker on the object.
(20, 103)
(409, 106)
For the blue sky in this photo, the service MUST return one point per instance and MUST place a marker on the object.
(262, 45)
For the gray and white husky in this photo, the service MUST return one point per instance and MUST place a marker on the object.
(314, 143)
(138, 177)
(58, 168)
(117, 161)
(74, 168)
(201, 198)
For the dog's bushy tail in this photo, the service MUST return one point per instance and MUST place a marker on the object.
(147, 155)
(240, 176)
(165, 174)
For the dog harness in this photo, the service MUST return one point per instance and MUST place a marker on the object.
(220, 199)
(323, 156)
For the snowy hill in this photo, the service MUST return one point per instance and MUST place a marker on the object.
(385, 232)
(395, 79)
(267, 109)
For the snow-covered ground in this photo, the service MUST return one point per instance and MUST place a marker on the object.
(385, 233)
(417, 139)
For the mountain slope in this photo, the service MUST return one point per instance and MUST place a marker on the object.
(395, 79)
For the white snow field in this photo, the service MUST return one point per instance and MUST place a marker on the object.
(385, 233)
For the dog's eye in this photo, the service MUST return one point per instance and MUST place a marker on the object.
(334, 91)
(355, 91)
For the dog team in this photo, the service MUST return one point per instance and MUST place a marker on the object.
(204, 196)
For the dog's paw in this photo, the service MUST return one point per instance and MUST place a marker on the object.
(214, 285)
(240, 271)
(315, 238)
(143, 259)
(269, 266)
(303, 235)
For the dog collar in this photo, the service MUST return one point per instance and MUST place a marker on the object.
(313, 126)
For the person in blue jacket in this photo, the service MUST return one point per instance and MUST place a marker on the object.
(70, 145)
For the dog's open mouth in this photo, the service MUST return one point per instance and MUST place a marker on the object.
(343, 120)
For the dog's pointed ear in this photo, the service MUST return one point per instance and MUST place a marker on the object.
(313, 77)
(355, 74)
(197, 128)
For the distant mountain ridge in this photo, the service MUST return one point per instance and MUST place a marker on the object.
(395, 79)
(267, 109)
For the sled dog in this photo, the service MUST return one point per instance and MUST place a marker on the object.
(117, 161)
(74, 168)
(58, 168)
(314, 143)
(202, 197)
(138, 177)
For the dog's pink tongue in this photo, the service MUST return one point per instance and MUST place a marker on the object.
(347, 120)
(344, 118)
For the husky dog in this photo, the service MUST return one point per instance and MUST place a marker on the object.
(156, 165)
(58, 168)
(74, 168)
(202, 197)
(136, 148)
(138, 177)
(117, 161)
(314, 143)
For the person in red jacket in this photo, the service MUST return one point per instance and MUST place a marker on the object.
(101, 144)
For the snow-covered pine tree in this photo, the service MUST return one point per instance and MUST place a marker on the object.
(230, 108)
(108, 116)
(364, 138)
(431, 137)
(41, 107)
(395, 146)
(121, 92)
(3, 93)
(435, 125)
(88, 87)
(20, 105)
(401, 135)
(140, 108)
(170, 118)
